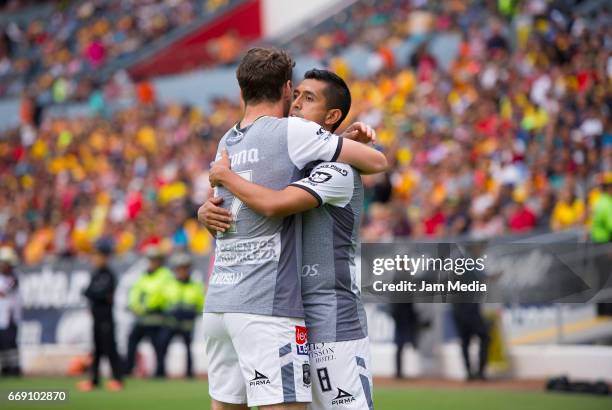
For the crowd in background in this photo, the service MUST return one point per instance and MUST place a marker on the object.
(49, 57)
(138, 178)
(512, 136)
(515, 135)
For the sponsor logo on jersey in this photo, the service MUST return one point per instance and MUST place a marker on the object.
(257, 251)
(323, 134)
(318, 177)
(336, 168)
(302, 349)
(321, 353)
(343, 397)
(226, 278)
(246, 156)
(259, 379)
(301, 335)
(234, 138)
(306, 374)
(310, 270)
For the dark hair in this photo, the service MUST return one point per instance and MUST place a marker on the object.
(337, 92)
(262, 73)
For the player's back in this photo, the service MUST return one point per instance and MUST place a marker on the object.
(257, 260)
(332, 300)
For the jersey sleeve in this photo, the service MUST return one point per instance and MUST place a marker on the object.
(330, 183)
(308, 141)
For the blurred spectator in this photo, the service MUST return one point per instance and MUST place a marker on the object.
(10, 313)
(145, 93)
(521, 218)
(568, 211)
(601, 226)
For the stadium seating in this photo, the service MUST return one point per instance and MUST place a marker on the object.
(494, 120)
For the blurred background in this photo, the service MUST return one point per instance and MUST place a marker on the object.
(495, 116)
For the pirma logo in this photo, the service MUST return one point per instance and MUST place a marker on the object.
(259, 379)
(343, 398)
(318, 177)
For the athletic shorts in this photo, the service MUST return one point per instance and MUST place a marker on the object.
(255, 359)
(341, 375)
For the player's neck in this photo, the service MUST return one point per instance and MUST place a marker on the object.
(253, 112)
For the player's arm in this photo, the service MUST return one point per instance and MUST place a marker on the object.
(210, 214)
(308, 142)
(264, 201)
(213, 216)
(366, 159)
(360, 132)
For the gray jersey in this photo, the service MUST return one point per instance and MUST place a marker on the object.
(257, 261)
(332, 299)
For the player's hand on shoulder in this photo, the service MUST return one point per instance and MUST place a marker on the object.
(219, 168)
(213, 216)
(360, 132)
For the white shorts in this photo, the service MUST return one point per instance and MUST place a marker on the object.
(255, 359)
(341, 375)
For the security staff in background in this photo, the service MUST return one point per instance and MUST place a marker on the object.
(100, 293)
(10, 313)
(470, 322)
(147, 299)
(407, 325)
(185, 300)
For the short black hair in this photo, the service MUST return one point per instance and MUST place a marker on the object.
(337, 93)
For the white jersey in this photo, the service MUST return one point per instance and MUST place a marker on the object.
(332, 299)
(257, 262)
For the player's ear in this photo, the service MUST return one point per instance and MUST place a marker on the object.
(287, 89)
(332, 117)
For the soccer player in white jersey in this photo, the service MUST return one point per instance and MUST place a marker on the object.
(332, 197)
(253, 322)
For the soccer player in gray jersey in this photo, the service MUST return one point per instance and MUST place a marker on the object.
(254, 329)
(332, 196)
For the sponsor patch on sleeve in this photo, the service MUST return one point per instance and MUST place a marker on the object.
(301, 335)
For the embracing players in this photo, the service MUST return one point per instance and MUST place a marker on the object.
(332, 195)
(253, 322)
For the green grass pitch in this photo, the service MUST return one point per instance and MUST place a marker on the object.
(193, 394)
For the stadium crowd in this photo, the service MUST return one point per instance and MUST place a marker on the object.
(52, 57)
(514, 135)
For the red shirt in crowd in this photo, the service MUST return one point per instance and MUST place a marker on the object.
(433, 223)
(522, 220)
